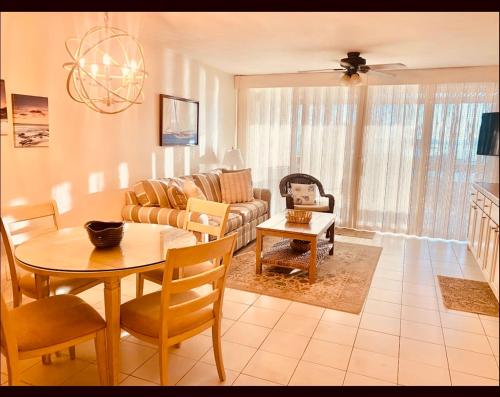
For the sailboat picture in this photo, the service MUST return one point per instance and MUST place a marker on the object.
(178, 121)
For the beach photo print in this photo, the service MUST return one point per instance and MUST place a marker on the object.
(30, 115)
(4, 123)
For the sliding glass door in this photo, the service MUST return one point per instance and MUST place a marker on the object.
(397, 158)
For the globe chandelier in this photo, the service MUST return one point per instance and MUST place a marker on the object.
(107, 71)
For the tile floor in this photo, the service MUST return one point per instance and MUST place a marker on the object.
(403, 336)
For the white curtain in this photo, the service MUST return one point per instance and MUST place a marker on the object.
(419, 157)
(397, 158)
(309, 130)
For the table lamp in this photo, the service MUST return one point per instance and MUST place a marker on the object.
(233, 159)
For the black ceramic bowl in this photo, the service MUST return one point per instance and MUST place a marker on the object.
(105, 234)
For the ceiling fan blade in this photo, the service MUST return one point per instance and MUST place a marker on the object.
(380, 73)
(320, 70)
(387, 66)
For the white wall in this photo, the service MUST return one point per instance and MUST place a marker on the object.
(92, 158)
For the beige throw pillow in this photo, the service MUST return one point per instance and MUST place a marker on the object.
(152, 193)
(176, 197)
(236, 187)
(191, 190)
(303, 193)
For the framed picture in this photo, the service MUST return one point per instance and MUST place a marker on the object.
(4, 123)
(30, 115)
(178, 121)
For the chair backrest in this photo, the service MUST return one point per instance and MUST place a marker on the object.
(220, 252)
(210, 208)
(299, 178)
(17, 215)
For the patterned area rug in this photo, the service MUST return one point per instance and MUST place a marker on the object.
(468, 296)
(342, 282)
(343, 231)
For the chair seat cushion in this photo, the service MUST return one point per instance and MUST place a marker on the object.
(142, 315)
(57, 285)
(251, 210)
(322, 206)
(157, 274)
(53, 320)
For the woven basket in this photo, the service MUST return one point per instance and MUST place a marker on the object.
(105, 234)
(298, 216)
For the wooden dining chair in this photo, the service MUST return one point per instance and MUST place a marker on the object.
(49, 325)
(23, 282)
(177, 312)
(194, 205)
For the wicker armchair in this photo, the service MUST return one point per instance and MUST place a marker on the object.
(305, 179)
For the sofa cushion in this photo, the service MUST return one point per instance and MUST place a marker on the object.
(209, 183)
(236, 187)
(161, 216)
(176, 197)
(152, 193)
(191, 190)
(234, 221)
(251, 210)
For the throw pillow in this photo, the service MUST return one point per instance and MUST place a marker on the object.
(191, 190)
(176, 197)
(303, 193)
(236, 187)
(209, 183)
(152, 193)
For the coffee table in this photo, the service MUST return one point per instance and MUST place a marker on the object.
(278, 226)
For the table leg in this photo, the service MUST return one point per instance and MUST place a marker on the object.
(332, 237)
(258, 253)
(43, 291)
(312, 264)
(112, 308)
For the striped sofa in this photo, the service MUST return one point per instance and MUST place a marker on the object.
(243, 217)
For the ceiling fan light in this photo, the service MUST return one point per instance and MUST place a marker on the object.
(355, 79)
(345, 79)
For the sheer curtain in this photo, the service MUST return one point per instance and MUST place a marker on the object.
(397, 158)
(419, 157)
(309, 130)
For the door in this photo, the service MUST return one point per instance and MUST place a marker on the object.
(478, 226)
(472, 226)
(494, 261)
(489, 249)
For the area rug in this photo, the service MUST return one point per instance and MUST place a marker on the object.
(468, 296)
(343, 231)
(342, 282)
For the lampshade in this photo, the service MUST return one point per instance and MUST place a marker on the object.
(345, 79)
(355, 79)
(107, 69)
(350, 79)
(209, 158)
(233, 158)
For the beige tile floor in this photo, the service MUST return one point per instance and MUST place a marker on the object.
(403, 336)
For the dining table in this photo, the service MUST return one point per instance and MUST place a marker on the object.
(68, 252)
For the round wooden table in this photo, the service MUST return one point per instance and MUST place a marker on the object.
(69, 253)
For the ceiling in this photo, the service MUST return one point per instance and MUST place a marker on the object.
(281, 42)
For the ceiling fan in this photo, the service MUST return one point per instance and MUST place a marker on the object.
(355, 64)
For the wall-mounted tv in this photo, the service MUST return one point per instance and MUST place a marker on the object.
(489, 135)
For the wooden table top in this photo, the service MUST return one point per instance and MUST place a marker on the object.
(320, 221)
(69, 251)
